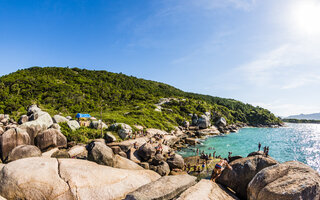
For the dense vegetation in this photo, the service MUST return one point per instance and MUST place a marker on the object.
(312, 121)
(121, 98)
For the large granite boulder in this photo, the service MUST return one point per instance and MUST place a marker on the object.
(207, 190)
(194, 120)
(122, 129)
(73, 125)
(33, 130)
(204, 121)
(243, 170)
(38, 117)
(51, 138)
(78, 152)
(11, 139)
(24, 151)
(286, 181)
(165, 188)
(176, 162)
(146, 151)
(170, 140)
(33, 178)
(132, 154)
(98, 125)
(23, 119)
(1, 130)
(124, 163)
(59, 119)
(109, 137)
(162, 169)
(128, 144)
(221, 122)
(49, 178)
(100, 153)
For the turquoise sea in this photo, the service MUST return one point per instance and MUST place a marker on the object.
(299, 142)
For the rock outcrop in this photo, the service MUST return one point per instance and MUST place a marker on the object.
(24, 151)
(59, 119)
(38, 117)
(73, 125)
(204, 121)
(11, 139)
(286, 181)
(50, 178)
(165, 188)
(100, 153)
(244, 169)
(124, 163)
(51, 138)
(122, 129)
(146, 151)
(207, 190)
(78, 152)
(176, 162)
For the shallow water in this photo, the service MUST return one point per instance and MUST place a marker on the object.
(299, 142)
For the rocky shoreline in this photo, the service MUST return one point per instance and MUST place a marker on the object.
(39, 163)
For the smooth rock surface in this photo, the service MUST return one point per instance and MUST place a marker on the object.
(244, 169)
(11, 139)
(164, 188)
(286, 181)
(59, 119)
(24, 151)
(207, 190)
(100, 153)
(146, 151)
(176, 162)
(33, 178)
(51, 179)
(78, 151)
(51, 138)
(73, 125)
(124, 163)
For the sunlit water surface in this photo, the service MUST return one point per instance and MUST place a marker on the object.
(299, 142)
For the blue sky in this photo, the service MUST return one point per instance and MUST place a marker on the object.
(265, 53)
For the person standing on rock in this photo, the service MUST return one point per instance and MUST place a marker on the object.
(259, 146)
(219, 167)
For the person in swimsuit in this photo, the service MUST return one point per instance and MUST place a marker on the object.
(219, 167)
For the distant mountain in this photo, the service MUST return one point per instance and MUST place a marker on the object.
(314, 116)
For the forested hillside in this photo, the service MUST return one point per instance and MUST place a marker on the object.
(122, 98)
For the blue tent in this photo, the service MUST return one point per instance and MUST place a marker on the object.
(80, 115)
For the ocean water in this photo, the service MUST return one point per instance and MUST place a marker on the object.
(299, 142)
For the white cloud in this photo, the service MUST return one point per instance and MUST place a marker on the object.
(288, 66)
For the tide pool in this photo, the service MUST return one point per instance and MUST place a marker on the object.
(299, 142)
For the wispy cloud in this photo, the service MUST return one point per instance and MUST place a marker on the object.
(288, 66)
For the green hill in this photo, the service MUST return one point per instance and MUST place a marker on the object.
(121, 98)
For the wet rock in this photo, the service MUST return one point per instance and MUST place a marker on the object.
(233, 158)
(286, 181)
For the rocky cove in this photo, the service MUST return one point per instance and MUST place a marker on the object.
(39, 163)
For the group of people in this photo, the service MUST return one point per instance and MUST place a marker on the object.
(136, 134)
(265, 149)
